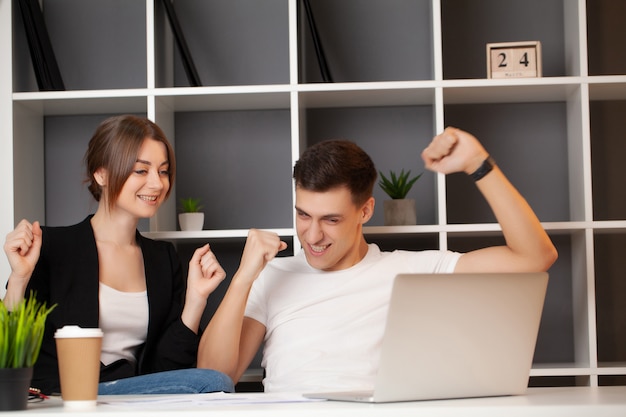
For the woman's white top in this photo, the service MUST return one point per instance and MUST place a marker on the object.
(124, 321)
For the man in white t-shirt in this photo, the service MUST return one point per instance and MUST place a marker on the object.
(321, 312)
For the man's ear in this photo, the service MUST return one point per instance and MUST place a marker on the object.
(367, 210)
(101, 176)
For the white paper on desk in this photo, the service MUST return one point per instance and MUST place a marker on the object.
(198, 400)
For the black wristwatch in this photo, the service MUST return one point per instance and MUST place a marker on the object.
(484, 169)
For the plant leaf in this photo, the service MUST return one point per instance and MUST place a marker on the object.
(397, 186)
(21, 332)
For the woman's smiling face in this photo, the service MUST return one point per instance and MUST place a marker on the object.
(145, 189)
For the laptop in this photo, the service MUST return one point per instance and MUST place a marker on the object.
(456, 336)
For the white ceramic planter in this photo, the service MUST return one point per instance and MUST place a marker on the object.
(400, 212)
(191, 221)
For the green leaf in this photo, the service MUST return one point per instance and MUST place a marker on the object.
(190, 205)
(21, 332)
(397, 186)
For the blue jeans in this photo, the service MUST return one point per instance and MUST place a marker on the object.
(181, 381)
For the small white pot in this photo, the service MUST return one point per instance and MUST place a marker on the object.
(400, 212)
(191, 221)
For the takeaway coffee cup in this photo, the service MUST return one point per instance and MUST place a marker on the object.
(78, 351)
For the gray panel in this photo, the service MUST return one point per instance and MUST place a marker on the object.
(239, 164)
(23, 73)
(67, 199)
(394, 137)
(99, 44)
(529, 143)
(368, 40)
(610, 265)
(608, 153)
(606, 31)
(235, 42)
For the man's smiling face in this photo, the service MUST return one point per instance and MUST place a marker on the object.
(330, 227)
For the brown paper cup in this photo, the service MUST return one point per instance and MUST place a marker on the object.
(78, 351)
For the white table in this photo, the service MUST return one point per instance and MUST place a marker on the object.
(537, 402)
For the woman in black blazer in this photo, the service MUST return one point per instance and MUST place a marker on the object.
(102, 273)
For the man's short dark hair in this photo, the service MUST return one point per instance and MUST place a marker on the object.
(336, 163)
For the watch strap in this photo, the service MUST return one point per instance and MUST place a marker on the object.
(484, 169)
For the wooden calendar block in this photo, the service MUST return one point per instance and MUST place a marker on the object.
(514, 59)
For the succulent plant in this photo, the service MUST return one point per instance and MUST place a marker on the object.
(190, 205)
(397, 186)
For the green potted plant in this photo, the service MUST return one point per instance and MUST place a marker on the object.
(399, 210)
(190, 217)
(21, 335)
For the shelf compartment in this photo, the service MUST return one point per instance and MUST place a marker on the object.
(612, 374)
(231, 42)
(610, 287)
(513, 134)
(239, 164)
(98, 45)
(468, 26)
(356, 48)
(611, 380)
(606, 30)
(394, 137)
(608, 152)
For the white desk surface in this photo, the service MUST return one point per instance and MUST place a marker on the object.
(537, 402)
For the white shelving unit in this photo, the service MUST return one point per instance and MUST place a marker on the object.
(553, 136)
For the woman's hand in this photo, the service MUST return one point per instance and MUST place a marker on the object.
(22, 248)
(205, 273)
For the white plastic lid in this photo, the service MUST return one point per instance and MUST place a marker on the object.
(77, 331)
